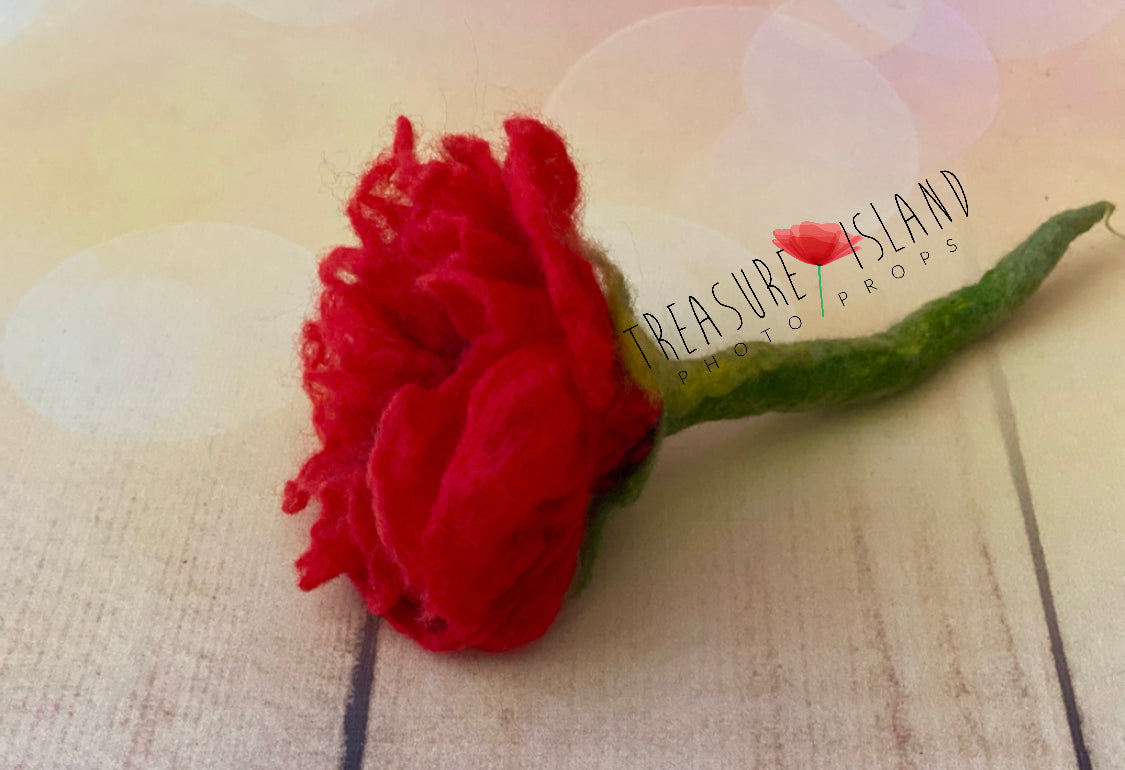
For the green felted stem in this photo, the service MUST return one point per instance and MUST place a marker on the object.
(820, 373)
(798, 376)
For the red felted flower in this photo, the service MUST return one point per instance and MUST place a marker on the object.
(815, 244)
(467, 391)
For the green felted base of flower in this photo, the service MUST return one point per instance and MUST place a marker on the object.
(619, 496)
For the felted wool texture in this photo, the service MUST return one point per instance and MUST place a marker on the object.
(814, 374)
(467, 390)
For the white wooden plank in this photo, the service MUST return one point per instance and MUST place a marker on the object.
(844, 590)
(151, 617)
(1068, 394)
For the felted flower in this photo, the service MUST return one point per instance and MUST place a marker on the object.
(815, 244)
(476, 417)
(467, 391)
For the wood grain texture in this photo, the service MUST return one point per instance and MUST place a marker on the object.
(1068, 392)
(841, 590)
(831, 590)
(150, 615)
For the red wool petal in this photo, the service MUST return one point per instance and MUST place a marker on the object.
(333, 551)
(492, 515)
(489, 255)
(417, 436)
(486, 306)
(518, 618)
(544, 188)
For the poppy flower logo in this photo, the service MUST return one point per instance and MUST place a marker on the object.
(816, 244)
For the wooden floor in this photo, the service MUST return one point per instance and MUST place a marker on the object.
(936, 580)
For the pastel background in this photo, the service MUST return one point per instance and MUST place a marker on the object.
(937, 580)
